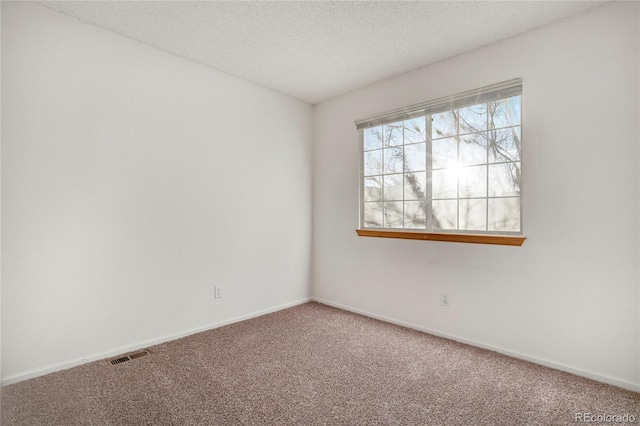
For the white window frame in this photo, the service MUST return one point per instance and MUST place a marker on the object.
(486, 94)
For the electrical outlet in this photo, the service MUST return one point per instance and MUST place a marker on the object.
(445, 300)
(217, 292)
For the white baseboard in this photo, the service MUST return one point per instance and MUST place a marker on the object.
(30, 374)
(556, 366)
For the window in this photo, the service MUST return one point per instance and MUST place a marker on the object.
(449, 166)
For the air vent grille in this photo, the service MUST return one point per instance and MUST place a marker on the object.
(138, 354)
(120, 358)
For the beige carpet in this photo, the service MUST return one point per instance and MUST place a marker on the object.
(312, 365)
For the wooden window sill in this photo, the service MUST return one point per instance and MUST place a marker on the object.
(504, 240)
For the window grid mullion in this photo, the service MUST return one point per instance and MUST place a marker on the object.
(486, 207)
(382, 199)
(403, 177)
(458, 167)
(362, 180)
(429, 173)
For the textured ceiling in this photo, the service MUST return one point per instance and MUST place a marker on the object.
(316, 50)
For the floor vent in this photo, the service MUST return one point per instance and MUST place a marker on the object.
(138, 354)
(121, 359)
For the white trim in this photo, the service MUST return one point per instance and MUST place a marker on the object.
(30, 374)
(556, 366)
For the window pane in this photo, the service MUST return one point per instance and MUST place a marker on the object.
(473, 215)
(473, 149)
(504, 179)
(444, 153)
(473, 181)
(373, 188)
(514, 113)
(415, 157)
(393, 134)
(415, 186)
(373, 163)
(473, 118)
(444, 124)
(445, 214)
(504, 214)
(393, 161)
(373, 215)
(415, 215)
(463, 176)
(414, 130)
(393, 215)
(445, 183)
(504, 112)
(504, 145)
(393, 187)
(373, 138)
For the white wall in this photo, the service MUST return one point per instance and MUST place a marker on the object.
(134, 181)
(569, 296)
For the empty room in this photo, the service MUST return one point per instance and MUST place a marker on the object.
(319, 213)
